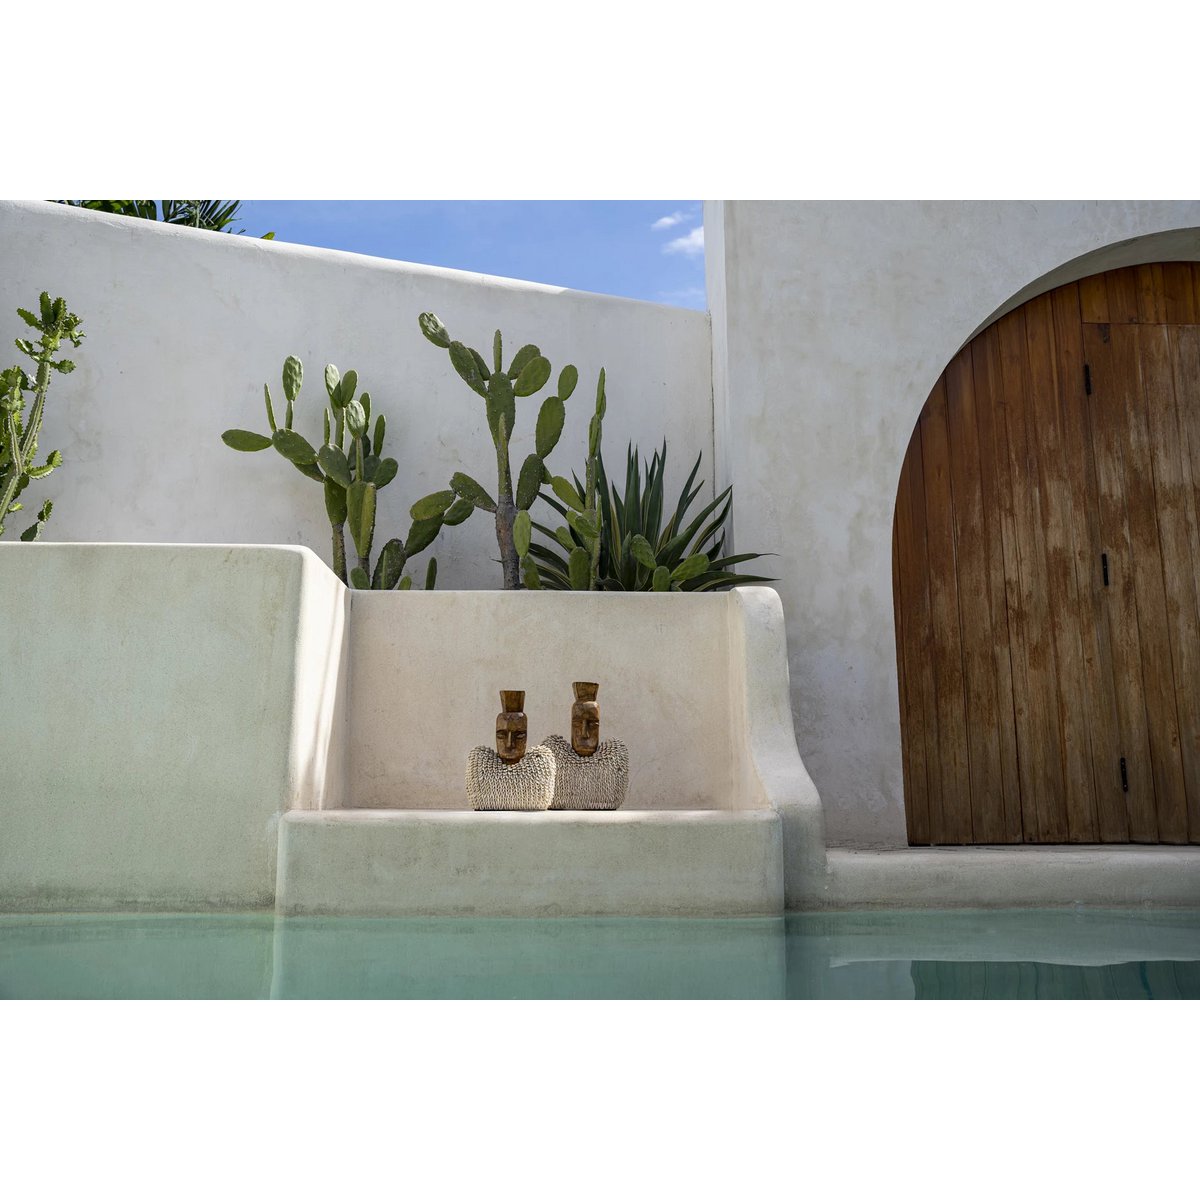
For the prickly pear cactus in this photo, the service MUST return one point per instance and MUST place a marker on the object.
(350, 467)
(528, 372)
(19, 431)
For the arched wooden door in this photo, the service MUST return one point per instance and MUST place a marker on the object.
(1046, 571)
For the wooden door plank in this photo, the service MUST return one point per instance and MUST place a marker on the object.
(955, 828)
(1107, 422)
(1100, 701)
(1077, 802)
(1171, 391)
(1151, 297)
(918, 718)
(1122, 288)
(979, 670)
(1179, 296)
(1158, 677)
(1002, 570)
(1093, 299)
(1043, 810)
(1186, 343)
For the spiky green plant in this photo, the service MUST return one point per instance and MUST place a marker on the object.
(19, 433)
(216, 215)
(527, 373)
(351, 474)
(585, 516)
(638, 551)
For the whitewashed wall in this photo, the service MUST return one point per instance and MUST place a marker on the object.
(831, 323)
(184, 327)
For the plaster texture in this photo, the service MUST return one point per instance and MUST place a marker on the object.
(427, 668)
(1010, 877)
(831, 323)
(553, 864)
(184, 327)
(163, 705)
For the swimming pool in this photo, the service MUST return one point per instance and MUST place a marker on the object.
(1002, 954)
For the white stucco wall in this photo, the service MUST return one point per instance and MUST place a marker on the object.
(831, 323)
(163, 706)
(184, 327)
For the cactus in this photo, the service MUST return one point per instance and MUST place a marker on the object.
(18, 434)
(352, 474)
(584, 515)
(528, 373)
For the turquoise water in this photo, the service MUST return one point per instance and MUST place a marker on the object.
(1016, 954)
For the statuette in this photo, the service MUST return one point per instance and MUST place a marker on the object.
(510, 778)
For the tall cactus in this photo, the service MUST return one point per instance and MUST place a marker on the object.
(351, 476)
(584, 515)
(18, 434)
(527, 373)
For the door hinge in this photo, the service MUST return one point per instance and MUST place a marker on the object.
(1124, 777)
(1087, 379)
(1104, 567)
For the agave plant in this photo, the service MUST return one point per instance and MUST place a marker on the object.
(638, 551)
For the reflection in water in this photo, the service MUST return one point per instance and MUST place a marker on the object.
(1061, 954)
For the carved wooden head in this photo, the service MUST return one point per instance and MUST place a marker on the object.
(512, 727)
(585, 719)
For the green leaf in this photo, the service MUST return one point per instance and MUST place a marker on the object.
(434, 330)
(464, 363)
(433, 505)
(580, 566)
(594, 432)
(335, 501)
(332, 379)
(498, 351)
(334, 463)
(568, 377)
(468, 489)
(421, 535)
(380, 428)
(661, 580)
(584, 526)
(54, 459)
(386, 472)
(529, 481)
(244, 439)
(293, 377)
(431, 575)
(64, 366)
(458, 512)
(294, 447)
(566, 493)
(356, 419)
(29, 318)
(565, 540)
(640, 549)
(532, 377)
(533, 581)
(522, 532)
(370, 466)
(697, 564)
(500, 405)
(270, 410)
(360, 504)
(310, 471)
(390, 566)
(359, 580)
(405, 584)
(522, 359)
(347, 387)
(365, 401)
(550, 425)
(480, 365)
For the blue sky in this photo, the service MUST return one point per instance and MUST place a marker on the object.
(646, 249)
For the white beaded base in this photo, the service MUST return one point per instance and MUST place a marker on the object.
(496, 786)
(580, 782)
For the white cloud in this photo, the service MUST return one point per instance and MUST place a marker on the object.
(667, 222)
(691, 243)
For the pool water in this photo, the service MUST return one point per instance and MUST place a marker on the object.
(1013, 954)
